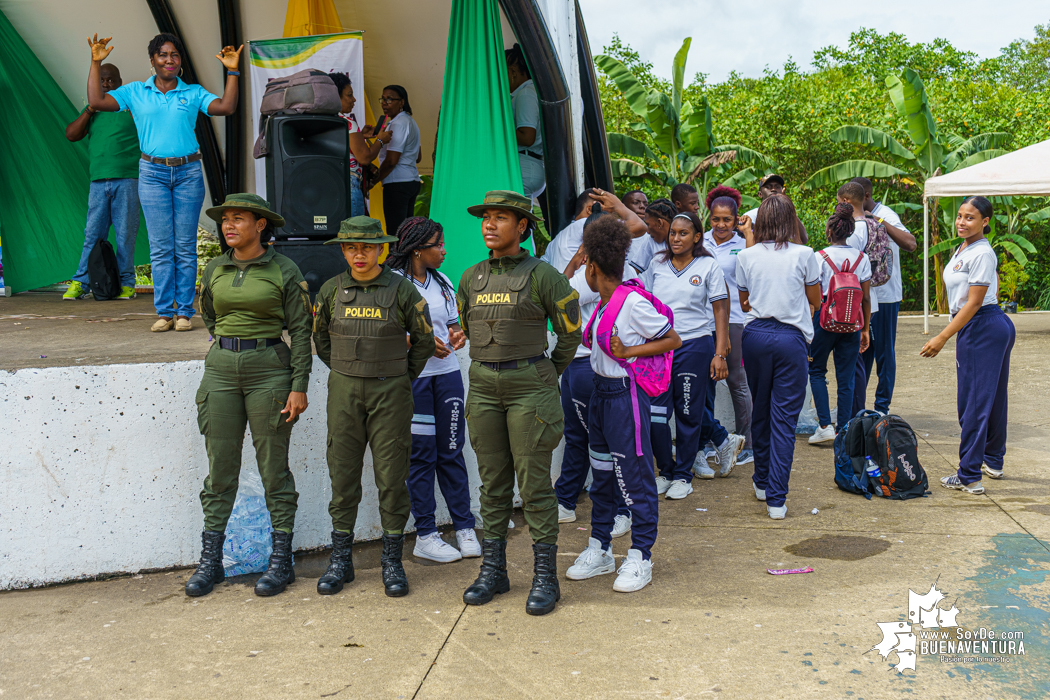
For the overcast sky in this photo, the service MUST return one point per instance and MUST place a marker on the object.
(748, 35)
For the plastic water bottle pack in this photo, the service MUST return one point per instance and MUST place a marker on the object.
(248, 545)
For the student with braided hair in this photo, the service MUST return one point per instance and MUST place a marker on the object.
(658, 216)
(438, 430)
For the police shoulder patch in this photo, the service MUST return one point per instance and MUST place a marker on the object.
(570, 311)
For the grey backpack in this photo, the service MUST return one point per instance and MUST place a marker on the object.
(306, 92)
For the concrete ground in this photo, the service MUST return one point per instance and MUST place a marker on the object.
(713, 623)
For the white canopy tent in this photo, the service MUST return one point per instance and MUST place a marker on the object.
(1021, 173)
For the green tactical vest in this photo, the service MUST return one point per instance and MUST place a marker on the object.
(367, 339)
(505, 324)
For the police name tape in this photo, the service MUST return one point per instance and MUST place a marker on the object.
(365, 312)
(496, 298)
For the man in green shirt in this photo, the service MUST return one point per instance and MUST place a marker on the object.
(113, 155)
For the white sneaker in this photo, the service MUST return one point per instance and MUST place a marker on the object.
(434, 548)
(468, 543)
(745, 457)
(662, 484)
(703, 471)
(635, 574)
(565, 515)
(592, 562)
(777, 512)
(993, 473)
(680, 488)
(621, 525)
(727, 454)
(824, 434)
(760, 494)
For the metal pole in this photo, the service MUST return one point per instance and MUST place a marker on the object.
(925, 265)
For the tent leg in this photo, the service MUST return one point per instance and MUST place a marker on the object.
(925, 266)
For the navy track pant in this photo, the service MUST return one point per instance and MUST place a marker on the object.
(438, 434)
(616, 431)
(982, 360)
(577, 384)
(846, 347)
(687, 397)
(777, 367)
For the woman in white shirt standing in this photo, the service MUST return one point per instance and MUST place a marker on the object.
(778, 281)
(725, 243)
(846, 346)
(438, 430)
(982, 350)
(689, 280)
(527, 127)
(398, 158)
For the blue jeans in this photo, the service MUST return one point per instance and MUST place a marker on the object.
(846, 347)
(113, 202)
(171, 200)
(357, 196)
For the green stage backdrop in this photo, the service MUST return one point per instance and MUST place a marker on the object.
(43, 177)
(476, 148)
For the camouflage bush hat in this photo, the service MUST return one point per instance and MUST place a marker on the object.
(249, 202)
(361, 229)
(505, 199)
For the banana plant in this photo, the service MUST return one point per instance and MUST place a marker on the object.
(683, 146)
(931, 154)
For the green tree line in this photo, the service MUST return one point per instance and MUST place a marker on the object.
(789, 115)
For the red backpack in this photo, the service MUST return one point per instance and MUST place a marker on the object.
(842, 310)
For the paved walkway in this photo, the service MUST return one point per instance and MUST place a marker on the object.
(712, 624)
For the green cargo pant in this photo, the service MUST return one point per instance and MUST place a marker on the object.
(246, 388)
(368, 411)
(515, 421)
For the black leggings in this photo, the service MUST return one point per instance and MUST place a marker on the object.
(399, 203)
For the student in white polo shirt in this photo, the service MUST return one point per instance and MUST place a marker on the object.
(725, 243)
(438, 417)
(563, 246)
(882, 352)
(982, 349)
(687, 278)
(778, 281)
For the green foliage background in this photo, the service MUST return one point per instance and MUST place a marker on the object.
(788, 113)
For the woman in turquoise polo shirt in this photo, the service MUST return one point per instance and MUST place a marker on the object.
(171, 184)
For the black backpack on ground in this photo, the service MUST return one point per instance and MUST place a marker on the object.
(891, 444)
(103, 273)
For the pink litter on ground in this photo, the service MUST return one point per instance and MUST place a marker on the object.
(782, 572)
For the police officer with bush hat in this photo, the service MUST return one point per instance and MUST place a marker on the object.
(248, 295)
(514, 414)
(362, 318)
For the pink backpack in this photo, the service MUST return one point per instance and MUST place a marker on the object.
(652, 374)
(842, 310)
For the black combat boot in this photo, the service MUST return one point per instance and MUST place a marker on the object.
(545, 589)
(340, 567)
(493, 577)
(280, 572)
(394, 579)
(209, 570)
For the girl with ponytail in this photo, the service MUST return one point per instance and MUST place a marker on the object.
(982, 350)
(438, 429)
(846, 346)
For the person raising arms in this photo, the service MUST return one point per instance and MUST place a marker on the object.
(778, 282)
(566, 244)
(171, 183)
(982, 350)
(689, 280)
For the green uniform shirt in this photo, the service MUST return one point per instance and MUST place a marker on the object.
(113, 146)
(412, 314)
(256, 299)
(549, 289)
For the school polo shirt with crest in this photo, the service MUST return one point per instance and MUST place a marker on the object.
(165, 121)
(726, 254)
(689, 292)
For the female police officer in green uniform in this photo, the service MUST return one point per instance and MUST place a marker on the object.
(514, 414)
(248, 294)
(361, 321)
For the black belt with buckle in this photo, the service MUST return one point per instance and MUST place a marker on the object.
(530, 154)
(513, 364)
(173, 162)
(238, 344)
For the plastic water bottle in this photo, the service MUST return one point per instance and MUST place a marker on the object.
(872, 468)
